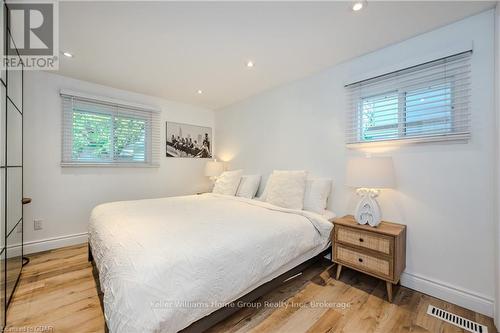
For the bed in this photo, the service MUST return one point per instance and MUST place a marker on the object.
(165, 264)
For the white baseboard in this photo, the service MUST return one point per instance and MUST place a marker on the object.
(465, 298)
(54, 243)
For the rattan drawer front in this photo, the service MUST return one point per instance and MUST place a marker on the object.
(363, 239)
(364, 262)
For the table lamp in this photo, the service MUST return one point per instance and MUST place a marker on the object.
(213, 169)
(369, 175)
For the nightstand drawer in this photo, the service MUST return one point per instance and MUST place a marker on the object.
(364, 262)
(367, 240)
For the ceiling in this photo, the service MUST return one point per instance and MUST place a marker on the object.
(173, 49)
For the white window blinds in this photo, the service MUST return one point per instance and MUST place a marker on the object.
(107, 133)
(427, 102)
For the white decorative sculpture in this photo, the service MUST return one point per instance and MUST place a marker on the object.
(368, 176)
(368, 210)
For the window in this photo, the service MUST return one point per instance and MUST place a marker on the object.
(428, 102)
(98, 132)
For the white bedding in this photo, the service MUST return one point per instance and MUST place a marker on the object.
(165, 263)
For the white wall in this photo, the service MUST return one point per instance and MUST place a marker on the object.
(64, 197)
(497, 102)
(445, 193)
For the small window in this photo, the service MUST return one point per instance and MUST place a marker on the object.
(102, 133)
(429, 102)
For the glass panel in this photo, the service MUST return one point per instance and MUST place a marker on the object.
(2, 290)
(429, 110)
(379, 117)
(129, 139)
(14, 197)
(14, 136)
(2, 38)
(91, 136)
(14, 258)
(15, 87)
(3, 112)
(2, 208)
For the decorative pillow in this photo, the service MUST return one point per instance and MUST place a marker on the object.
(317, 193)
(286, 189)
(264, 193)
(248, 187)
(227, 183)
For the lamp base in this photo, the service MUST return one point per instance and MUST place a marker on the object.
(213, 179)
(368, 210)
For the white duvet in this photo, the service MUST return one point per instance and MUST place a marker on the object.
(165, 263)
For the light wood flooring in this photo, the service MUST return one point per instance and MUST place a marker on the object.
(57, 292)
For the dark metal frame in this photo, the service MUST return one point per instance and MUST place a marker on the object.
(217, 316)
(4, 250)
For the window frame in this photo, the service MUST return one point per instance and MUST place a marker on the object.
(446, 117)
(113, 109)
(402, 113)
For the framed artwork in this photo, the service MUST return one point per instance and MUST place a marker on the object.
(184, 140)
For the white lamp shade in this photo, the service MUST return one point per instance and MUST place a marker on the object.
(214, 168)
(373, 172)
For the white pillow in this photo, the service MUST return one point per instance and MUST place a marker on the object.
(317, 193)
(286, 189)
(264, 193)
(263, 196)
(248, 187)
(227, 183)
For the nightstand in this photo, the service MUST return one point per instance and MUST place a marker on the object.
(379, 251)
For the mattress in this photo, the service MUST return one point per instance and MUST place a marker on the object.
(166, 263)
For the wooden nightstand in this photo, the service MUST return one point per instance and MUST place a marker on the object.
(379, 251)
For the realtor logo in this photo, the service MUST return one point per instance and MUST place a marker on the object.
(33, 40)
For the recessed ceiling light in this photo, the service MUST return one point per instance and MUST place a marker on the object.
(357, 6)
(250, 64)
(200, 92)
(67, 54)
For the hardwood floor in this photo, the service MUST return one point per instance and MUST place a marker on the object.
(57, 292)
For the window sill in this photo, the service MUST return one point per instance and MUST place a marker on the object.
(107, 165)
(449, 138)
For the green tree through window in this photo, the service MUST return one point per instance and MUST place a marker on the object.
(105, 137)
(91, 136)
(129, 139)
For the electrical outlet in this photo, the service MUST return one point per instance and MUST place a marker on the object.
(38, 224)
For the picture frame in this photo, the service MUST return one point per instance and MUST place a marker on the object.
(188, 141)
